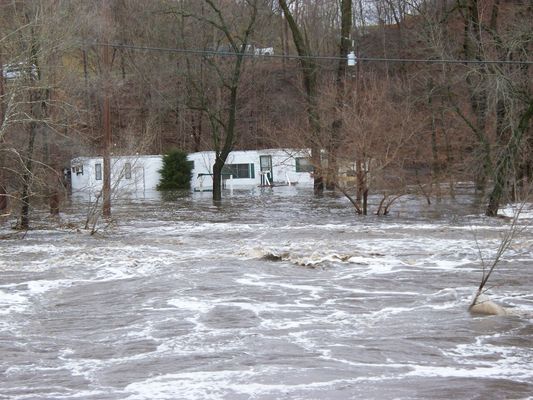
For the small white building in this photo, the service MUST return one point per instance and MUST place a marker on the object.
(137, 175)
(248, 168)
(130, 175)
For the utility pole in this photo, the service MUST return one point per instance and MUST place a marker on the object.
(3, 183)
(106, 111)
(345, 59)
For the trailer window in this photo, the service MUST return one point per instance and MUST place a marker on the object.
(98, 172)
(303, 164)
(127, 171)
(239, 171)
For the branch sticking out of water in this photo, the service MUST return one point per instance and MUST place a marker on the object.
(480, 303)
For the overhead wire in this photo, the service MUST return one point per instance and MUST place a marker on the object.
(205, 52)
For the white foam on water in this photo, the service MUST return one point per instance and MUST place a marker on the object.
(90, 368)
(214, 385)
(469, 352)
(191, 304)
(258, 308)
(252, 280)
(448, 265)
(523, 211)
(487, 360)
(507, 371)
(43, 286)
(65, 393)
(84, 367)
(23, 248)
(316, 316)
(108, 271)
(375, 292)
(313, 290)
(283, 324)
(132, 264)
(12, 303)
(186, 228)
(382, 314)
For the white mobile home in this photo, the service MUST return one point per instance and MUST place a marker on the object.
(136, 175)
(248, 168)
(131, 175)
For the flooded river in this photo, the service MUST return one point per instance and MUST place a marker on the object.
(271, 295)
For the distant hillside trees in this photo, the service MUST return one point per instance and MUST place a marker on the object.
(401, 112)
(34, 109)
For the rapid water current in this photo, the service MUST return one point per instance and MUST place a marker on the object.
(273, 294)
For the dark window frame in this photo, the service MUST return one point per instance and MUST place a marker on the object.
(127, 170)
(78, 169)
(306, 167)
(239, 171)
(98, 171)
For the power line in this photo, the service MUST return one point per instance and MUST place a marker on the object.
(297, 57)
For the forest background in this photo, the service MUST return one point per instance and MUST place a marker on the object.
(441, 91)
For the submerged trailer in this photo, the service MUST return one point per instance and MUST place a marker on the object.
(251, 168)
(139, 175)
(134, 175)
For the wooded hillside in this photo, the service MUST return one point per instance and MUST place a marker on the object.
(441, 91)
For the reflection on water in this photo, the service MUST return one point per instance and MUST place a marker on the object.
(270, 294)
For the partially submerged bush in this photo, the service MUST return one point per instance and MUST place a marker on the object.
(176, 171)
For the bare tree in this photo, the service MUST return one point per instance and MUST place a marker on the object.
(345, 43)
(310, 70)
(33, 36)
(491, 99)
(3, 185)
(222, 112)
(106, 110)
(378, 141)
(480, 303)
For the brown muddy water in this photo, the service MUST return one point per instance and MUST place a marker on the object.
(273, 294)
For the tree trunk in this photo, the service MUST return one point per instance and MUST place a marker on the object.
(3, 192)
(506, 162)
(496, 195)
(309, 72)
(501, 174)
(50, 158)
(224, 134)
(37, 107)
(3, 180)
(54, 202)
(478, 90)
(106, 184)
(229, 129)
(362, 188)
(196, 124)
(365, 201)
(217, 179)
(106, 119)
(434, 148)
(85, 69)
(336, 127)
(27, 178)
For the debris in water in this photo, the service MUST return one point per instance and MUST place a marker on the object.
(485, 306)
